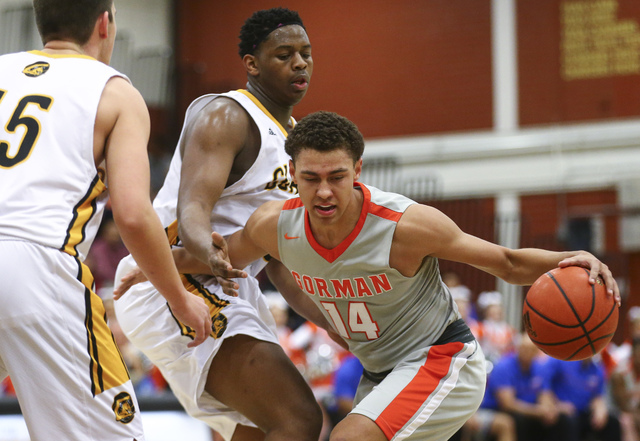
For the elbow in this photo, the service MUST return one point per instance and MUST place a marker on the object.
(131, 222)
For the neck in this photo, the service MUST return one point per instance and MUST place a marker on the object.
(63, 47)
(282, 114)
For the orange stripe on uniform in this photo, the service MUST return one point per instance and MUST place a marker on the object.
(413, 396)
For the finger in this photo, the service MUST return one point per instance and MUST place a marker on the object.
(218, 241)
(121, 289)
(202, 334)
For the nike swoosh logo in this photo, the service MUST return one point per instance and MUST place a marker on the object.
(286, 236)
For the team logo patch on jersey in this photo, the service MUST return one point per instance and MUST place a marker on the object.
(219, 325)
(123, 408)
(36, 69)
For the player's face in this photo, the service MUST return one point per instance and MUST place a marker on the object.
(325, 183)
(284, 65)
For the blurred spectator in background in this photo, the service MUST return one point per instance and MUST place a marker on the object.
(6, 388)
(105, 254)
(317, 357)
(579, 387)
(159, 161)
(345, 384)
(623, 352)
(462, 296)
(496, 335)
(280, 312)
(517, 386)
(625, 392)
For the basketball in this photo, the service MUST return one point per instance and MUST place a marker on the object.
(567, 317)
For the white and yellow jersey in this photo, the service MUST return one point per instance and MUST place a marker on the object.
(50, 190)
(267, 179)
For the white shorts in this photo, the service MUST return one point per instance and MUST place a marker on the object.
(429, 395)
(55, 344)
(145, 318)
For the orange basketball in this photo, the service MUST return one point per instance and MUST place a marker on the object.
(567, 317)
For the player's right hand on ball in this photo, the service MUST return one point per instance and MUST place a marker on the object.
(193, 312)
(221, 266)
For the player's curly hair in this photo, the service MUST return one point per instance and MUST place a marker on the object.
(257, 28)
(325, 131)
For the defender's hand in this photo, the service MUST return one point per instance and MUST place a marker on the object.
(134, 277)
(221, 266)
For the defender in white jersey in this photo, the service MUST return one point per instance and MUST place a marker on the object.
(65, 132)
(230, 159)
(368, 259)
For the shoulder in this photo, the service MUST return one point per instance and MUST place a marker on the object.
(220, 121)
(426, 224)
(223, 109)
(265, 217)
(118, 87)
(119, 96)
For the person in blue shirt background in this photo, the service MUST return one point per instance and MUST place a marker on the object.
(517, 385)
(579, 387)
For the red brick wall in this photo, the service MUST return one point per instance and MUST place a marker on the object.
(394, 68)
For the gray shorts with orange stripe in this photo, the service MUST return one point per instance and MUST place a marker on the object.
(429, 395)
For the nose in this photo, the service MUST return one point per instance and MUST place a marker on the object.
(324, 191)
(299, 63)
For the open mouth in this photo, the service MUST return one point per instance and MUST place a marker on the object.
(325, 209)
(300, 83)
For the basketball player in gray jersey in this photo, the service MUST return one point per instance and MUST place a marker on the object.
(368, 260)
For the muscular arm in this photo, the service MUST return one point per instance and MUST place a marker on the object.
(424, 231)
(218, 134)
(123, 130)
(298, 300)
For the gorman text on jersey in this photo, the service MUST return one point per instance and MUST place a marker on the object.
(355, 287)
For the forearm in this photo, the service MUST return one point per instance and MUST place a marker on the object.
(187, 263)
(527, 264)
(295, 297)
(194, 229)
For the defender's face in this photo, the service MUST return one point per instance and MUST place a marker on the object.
(284, 65)
(325, 183)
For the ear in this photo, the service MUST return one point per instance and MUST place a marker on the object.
(358, 169)
(103, 25)
(292, 171)
(251, 65)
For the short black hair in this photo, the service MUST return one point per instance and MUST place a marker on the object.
(257, 28)
(72, 20)
(325, 131)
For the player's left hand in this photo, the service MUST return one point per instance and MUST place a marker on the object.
(597, 269)
(133, 277)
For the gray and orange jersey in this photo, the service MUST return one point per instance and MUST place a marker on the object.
(383, 315)
(52, 194)
(267, 179)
